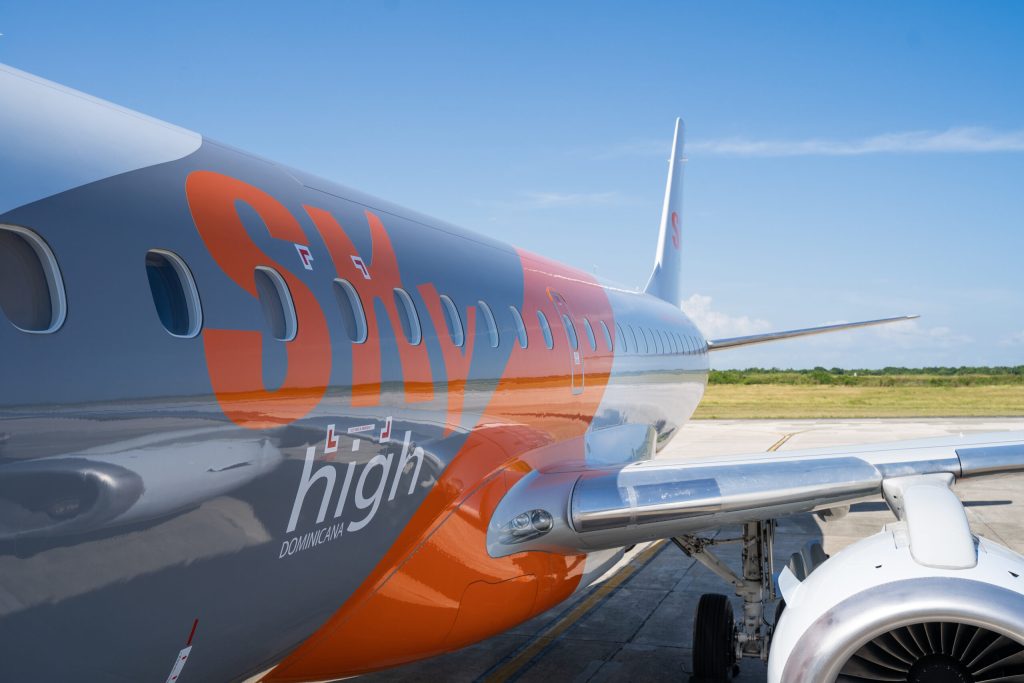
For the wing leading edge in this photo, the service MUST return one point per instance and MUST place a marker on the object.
(579, 512)
(732, 342)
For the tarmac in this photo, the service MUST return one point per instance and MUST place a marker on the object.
(635, 624)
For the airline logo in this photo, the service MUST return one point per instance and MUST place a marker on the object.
(359, 498)
(235, 358)
(675, 229)
(305, 256)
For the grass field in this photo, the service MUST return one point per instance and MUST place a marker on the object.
(895, 392)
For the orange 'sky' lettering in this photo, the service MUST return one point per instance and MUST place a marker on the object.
(376, 279)
(456, 360)
(234, 358)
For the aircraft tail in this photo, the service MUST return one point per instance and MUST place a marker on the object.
(664, 281)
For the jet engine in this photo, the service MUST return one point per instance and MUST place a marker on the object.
(923, 600)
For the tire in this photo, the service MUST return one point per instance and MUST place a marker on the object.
(714, 632)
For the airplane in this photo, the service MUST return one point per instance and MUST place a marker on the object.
(256, 422)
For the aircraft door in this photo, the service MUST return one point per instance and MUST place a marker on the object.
(576, 365)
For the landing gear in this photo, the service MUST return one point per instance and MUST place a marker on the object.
(755, 587)
(714, 632)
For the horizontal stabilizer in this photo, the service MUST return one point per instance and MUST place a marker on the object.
(732, 342)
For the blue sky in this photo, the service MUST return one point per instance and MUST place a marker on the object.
(847, 161)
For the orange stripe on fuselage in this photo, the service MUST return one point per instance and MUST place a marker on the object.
(437, 589)
(457, 361)
(234, 358)
(382, 267)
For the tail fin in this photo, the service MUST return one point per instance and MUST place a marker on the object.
(664, 282)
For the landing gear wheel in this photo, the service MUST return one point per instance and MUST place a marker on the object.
(714, 632)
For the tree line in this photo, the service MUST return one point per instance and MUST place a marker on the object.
(888, 376)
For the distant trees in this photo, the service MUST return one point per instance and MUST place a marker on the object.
(889, 376)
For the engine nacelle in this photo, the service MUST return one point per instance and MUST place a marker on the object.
(875, 613)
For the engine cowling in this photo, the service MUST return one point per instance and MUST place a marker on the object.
(874, 613)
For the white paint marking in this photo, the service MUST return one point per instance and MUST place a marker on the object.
(305, 256)
(179, 664)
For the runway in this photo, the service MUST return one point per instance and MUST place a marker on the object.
(636, 623)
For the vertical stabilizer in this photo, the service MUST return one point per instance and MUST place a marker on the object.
(664, 282)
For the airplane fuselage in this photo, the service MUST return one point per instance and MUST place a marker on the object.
(326, 496)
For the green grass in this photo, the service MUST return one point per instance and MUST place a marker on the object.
(894, 392)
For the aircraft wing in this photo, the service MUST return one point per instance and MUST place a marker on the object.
(582, 511)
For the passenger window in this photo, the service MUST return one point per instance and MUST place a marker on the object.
(545, 330)
(174, 293)
(648, 339)
(666, 345)
(408, 316)
(636, 341)
(682, 344)
(620, 335)
(353, 317)
(31, 288)
(570, 333)
(590, 334)
(492, 327)
(607, 335)
(453, 321)
(276, 302)
(520, 327)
